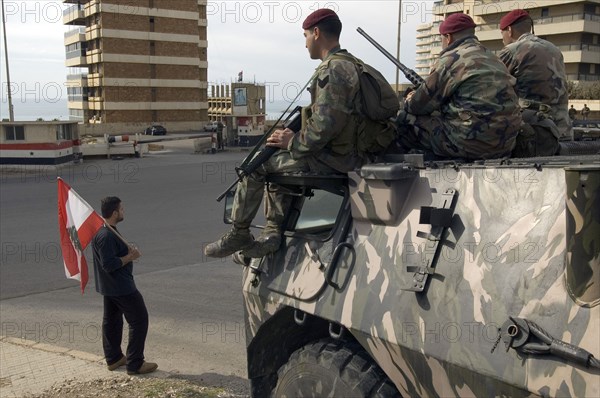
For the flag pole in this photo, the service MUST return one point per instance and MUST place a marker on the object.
(110, 227)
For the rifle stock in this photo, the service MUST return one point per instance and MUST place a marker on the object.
(410, 74)
(293, 122)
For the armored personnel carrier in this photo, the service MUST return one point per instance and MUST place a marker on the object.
(432, 278)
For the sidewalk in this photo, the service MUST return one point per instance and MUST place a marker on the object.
(27, 367)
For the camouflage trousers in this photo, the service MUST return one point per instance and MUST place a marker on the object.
(249, 191)
(425, 133)
(438, 136)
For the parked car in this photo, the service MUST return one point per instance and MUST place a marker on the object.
(213, 126)
(155, 130)
(586, 129)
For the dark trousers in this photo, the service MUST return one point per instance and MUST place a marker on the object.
(134, 309)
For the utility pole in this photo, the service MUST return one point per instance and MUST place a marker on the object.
(11, 114)
(398, 44)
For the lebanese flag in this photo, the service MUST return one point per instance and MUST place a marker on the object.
(77, 223)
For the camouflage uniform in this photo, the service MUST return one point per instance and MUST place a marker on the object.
(326, 143)
(539, 68)
(466, 108)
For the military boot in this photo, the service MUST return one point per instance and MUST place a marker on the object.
(265, 244)
(233, 241)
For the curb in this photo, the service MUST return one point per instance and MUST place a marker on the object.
(86, 356)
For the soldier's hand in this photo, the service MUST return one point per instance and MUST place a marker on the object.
(280, 138)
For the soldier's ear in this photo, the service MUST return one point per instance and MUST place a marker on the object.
(316, 32)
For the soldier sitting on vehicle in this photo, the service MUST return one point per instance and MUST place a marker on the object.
(541, 86)
(467, 107)
(325, 144)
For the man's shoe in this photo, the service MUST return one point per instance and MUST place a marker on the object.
(117, 364)
(147, 367)
(231, 242)
(264, 245)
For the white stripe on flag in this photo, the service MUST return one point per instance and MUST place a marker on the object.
(77, 210)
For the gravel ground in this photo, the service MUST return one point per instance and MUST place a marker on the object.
(133, 387)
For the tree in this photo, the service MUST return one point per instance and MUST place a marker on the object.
(584, 90)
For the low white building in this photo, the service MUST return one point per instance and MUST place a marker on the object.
(39, 143)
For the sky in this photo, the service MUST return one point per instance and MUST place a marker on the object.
(261, 38)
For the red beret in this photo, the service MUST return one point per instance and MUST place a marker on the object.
(456, 23)
(512, 17)
(318, 16)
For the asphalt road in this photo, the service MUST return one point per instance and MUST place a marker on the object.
(195, 303)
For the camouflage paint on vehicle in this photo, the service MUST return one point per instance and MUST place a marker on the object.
(503, 253)
(583, 233)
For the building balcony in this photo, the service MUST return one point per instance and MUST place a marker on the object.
(96, 103)
(94, 56)
(581, 53)
(94, 80)
(439, 8)
(572, 23)
(582, 77)
(74, 15)
(91, 8)
(77, 102)
(77, 80)
(74, 36)
(494, 7)
(76, 58)
(92, 32)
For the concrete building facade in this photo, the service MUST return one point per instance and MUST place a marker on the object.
(136, 63)
(572, 25)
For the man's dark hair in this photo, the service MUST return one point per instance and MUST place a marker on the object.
(463, 33)
(523, 26)
(331, 27)
(110, 204)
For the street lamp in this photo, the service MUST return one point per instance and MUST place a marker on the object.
(398, 43)
(11, 115)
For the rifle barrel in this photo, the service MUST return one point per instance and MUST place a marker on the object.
(409, 73)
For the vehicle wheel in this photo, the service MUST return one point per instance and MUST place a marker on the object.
(331, 368)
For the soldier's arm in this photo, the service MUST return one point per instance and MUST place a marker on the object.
(508, 59)
(427, 98)
(336, 88)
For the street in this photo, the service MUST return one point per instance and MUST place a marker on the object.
(195, 303)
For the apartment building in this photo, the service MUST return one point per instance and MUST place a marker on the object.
(135, 63)
(572, 25)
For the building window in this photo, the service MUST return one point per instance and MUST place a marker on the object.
(63, 132)
(14, 133)
(545, 12)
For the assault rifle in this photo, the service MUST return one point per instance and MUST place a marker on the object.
(258, 157)
(410, 74)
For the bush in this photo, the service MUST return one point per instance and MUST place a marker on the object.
(584, 90)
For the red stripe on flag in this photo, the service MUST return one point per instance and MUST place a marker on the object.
(88, 229)
(74, 260)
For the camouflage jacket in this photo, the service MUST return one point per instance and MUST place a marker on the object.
(539, 68)
(473, 92)
(329, 124)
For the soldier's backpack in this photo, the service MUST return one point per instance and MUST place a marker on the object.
(378, 103)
